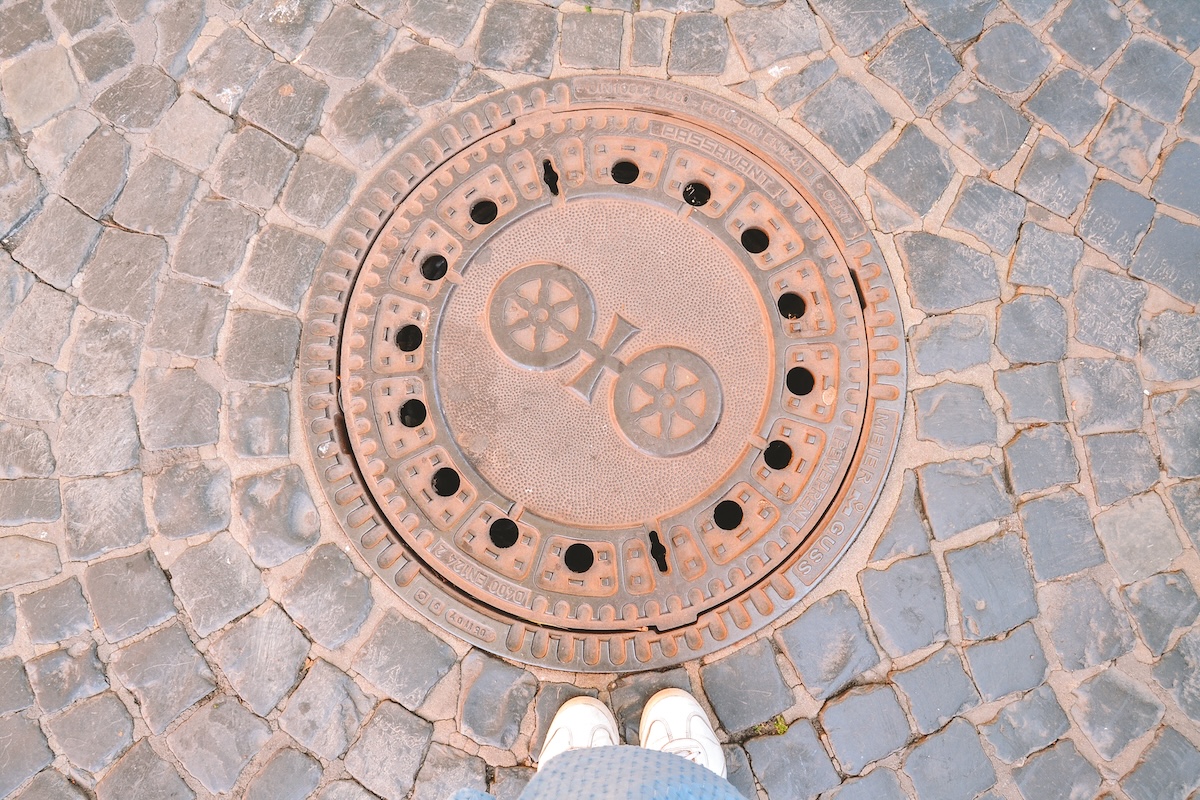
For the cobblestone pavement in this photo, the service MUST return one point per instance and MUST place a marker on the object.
(180, 615)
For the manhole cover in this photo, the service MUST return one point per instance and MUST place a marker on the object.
(603, 374)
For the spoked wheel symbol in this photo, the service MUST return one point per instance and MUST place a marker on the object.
(667, 401)
(542, 315)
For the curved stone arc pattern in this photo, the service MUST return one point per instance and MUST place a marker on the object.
(707, 598)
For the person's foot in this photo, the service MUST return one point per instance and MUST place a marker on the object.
(580, 722)
(674, 722)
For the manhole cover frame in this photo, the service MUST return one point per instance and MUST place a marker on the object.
(321, 376)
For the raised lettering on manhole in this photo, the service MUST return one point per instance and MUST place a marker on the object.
(602, 374)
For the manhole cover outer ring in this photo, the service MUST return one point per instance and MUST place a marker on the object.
(430, 594)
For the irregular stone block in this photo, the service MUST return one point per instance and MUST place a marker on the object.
(26, 560)
(591, 40)
(279, 513)
(946, 275)
(166, 674)
(369, 121)
(766, 36)
(348, 43)
(953, 342)
(252, 168)
(142, 774)
(280, 267)
(217, 583)
(828, 645)
(954, 415)
(1046, 258)
(859, 25)
(1139, 537)
(260, 347)
(1039, 458)
(1177, 673)
(1112, 710)
(101, 54)
(1169, 346)
(446, 770)
(25, 751)
(508, 689)
(15, 694)
(794, 764)
(95, 732)
(1106, 395)
(191, 131)
(1168, 256)
(550, 699)
(33, 389)
(517, 37)
(953, 20)
(192, 499)
(29, 500)
(739, 704)
(226, 68)
(1090, 31)
(316, 191)
(24, 452)
(984, 125)
(61, 677)
(865, 725)
(906, 533)
(404, 660)
(1083, 627)
(8, 617)
(330, 598)
(699, 45)
(449, 20)
(1151, 77)
(914, 169)
(40, 325)
(103, 514)
(22, 25)
(128, 595)
(138, 100)
(285, 29)
(389, 752)
(97, 172)
(97, 435)
(1070, 104)
(104, 358)
(325, 712)
(164, 423)
(55, 243)
(960, 495)
(1115, 220)
(1058, 772)
(1128, 143)
(937, 689)
(258, 422)
(262, 655)
(1012, 664)
(630, 693)
(120, 277)
(1161, 605)
(37, 86)
(907, 604)
(1026, 725)
(1170, 768)
(1107, 308)
(1060, 535)
(995, 589)
(178, 24)
(1121, 465)
(990, 214)
(55, 613)
(289, 775)
(217, 742)
(791, 89)
(187, 319)
(285, 102)
(845, 117)
(1054, 177)
(1010, 58)
(648, 34)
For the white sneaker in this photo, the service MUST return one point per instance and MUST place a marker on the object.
(674, 722)
(580, 722)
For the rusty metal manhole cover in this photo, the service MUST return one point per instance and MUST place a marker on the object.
(603, 374)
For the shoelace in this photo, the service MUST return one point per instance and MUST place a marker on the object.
(688, 748)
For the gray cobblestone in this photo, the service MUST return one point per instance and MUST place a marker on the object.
(50, 785)
(191, 499)
(648, 35)
(1014, 663)
(794, 764)
(699, 45)
(1115, 220)
(55, 613)
(37, 86)
(1170, 770)
(25, 751)
(316, 191)
(103, 514)
(1139, 537)
(1090, 31)
(24, 452)
(1167, 258)
(104, 357)
(954, 415)
(791, 89)
(1169, 347)
(285, 102)
(285, 29)
(1174, 20)
(550, 698)
(450, 20)
(995, 589)
(950, 765)
(330, 599)
(591, 40)
(23, 24)
(907, 604)
(142, 775)
(960, 495)
(15, 693)
(187, 319)
(1060, 535)
(279, 514)
(517, 37)
(33, 389)
(509, 782)
(767, 36)
(138, 100)
(260, 347)
(404, 660)
(1026, 725)
(859, 25)
(347, 44)
(1046, 258)
(914, 169)
(1083, 628)
(953, 20)
(983, 125)
(1112, 710)
(95, 732)
(97, 172)
(8, 616)
(1161, 605)
(252, 168)
(739, 704)
(289, 775)
(446, 770)
(865, 725)
(120, 277)
(1054, 177)
(368, 122)
(946, 275)
(217, 742)
(952, 342)
(1058, 772)
(828, 645)
(262, 656)
(1107, 308)
(25, 560)
(178, 24)
(1069, 103)
(214, 241)
(217, 583)
(1039, 458)
(1128, 143)
(326, 711)
(79, 15)
(937, 689)
(1177, 673)
(40, 324)
(15, 283)
(1106, 395)
(110, 585)
(101, 54)
(61, 677)
(1121, 464)
(846, 118)
(344, 790)
(1032, 329)
(989, 213)
(494, 699)
(1010, 58)
(258, 424)
(1150, 77)
(163, 423)
(906, 532)
(1185, 497)
(280, 266)
(1175, 184)
(55, 243)
(878, 784)
(29, 500)
(226, 68)
(390, 751)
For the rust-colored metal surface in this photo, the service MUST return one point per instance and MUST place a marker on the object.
(603, 374)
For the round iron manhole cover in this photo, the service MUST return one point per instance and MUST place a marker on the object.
(602, 374)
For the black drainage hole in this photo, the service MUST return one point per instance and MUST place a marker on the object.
(727, 515)
(625, 172)
(755, 240)
(446, 482)
(434, 268)
(503, 533)
(696, 194)
(409, 338)
(778, 454)
(800, 381)
(658, 552)
(579, 558)
(791, 305)
(412, 413)
(483, 212)
(550, 177)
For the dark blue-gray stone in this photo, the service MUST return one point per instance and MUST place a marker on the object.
(592, 41)
(953, 20)
(937, 689)
(111, 583)
(629, 694)
(451, 20)
(794, 764)
(989, 213)
(330, 597)
(1115, 220)
(1106, 394)
(1010, 58)
(1170, 770)
(1179, 673)
(1031, 11)
(859, 25)
(828, 645)
(845, 116)
(950, 765)
(404, 660)
(262, 655)
(960, 495)
(954, 415)
(951, 342)
(1152, 78)
(1177, 426)
(945, 275)
(1026, 725)
(914, 169)
(25, 751)
(918, 66)
(1015, 663)
(1170, 258)
(865, 725)
(388, 754)
(1039, 458)
(1138, 536)
(1107, 308)
(648, 33)
(1176, 183)
(191, 499)
(791, 89)
(1060, 535)
(739, 703)
(1032, 329)
(1112, 710)
(1082, 625)
(1121, 464)
(1189, 126)
(1161, 605)
(699, 45)
(1090, 31)
(1128, 143)
(1069, 103)
(1054, 177)
(217, 583)
(349, 43)
(906, 533)
(767, 36)
(984, 125)
(1032, 394)
(15, 693)
(326, 711)
(1176, 20)
(879, 784)
(995, 589)
(288, 775)
(1185, 497)
(1171, 347)
(1057, 772)
(906, 604)
(494, 699)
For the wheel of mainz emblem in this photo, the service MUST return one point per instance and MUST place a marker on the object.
(602, 374)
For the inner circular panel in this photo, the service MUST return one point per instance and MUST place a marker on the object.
(536, 435)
